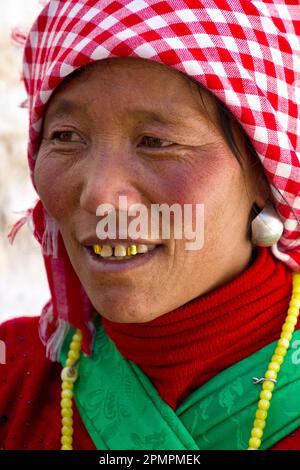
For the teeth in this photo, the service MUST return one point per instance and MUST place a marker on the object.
(150, 247)
(133, 250)
(142, 248)
(106, 251)
(120, 251)
(97, 249)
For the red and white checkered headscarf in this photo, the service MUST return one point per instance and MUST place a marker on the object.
(247, 53)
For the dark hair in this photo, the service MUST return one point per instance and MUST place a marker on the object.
(226, 120)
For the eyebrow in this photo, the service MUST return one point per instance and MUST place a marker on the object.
(64, 107)
(156, 117)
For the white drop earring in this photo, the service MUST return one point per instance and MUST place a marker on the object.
(267, 227)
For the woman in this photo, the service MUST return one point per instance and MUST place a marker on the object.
(173, 102)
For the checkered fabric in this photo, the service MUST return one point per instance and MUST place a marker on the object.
(247, 53)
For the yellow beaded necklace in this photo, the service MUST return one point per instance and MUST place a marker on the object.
(70, 373)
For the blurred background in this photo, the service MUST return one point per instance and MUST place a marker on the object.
(23, 285)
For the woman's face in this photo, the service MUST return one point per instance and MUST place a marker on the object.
(136, 128)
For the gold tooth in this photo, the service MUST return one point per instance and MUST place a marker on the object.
(133, 250)
(97, 249)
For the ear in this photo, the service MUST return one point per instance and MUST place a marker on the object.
(261, 188)
(258, 185)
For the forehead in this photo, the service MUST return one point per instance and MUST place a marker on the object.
(140, 85)
(131, 68)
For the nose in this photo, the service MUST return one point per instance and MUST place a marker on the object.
(106, 179)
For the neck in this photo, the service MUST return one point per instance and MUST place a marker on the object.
(186, 347)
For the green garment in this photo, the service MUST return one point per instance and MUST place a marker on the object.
(122, 410)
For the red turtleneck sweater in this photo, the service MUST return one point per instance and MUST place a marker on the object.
(178, 351)
(185, 348)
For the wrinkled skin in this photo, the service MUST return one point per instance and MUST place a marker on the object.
(112, 145)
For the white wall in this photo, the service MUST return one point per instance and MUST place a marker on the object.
(23, 285)
(18, 10)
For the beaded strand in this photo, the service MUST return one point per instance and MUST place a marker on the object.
(274, 366)
(69, 376)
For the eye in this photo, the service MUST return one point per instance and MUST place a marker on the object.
(66, 136)
(156, 142)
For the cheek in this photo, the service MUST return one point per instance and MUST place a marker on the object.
(54, 187)
(214, 180)
(208, 177)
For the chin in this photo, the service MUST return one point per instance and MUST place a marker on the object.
(122, 312)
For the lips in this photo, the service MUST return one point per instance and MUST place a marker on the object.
(98, 263)
(118, 255)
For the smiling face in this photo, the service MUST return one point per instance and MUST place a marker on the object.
(136, 128)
